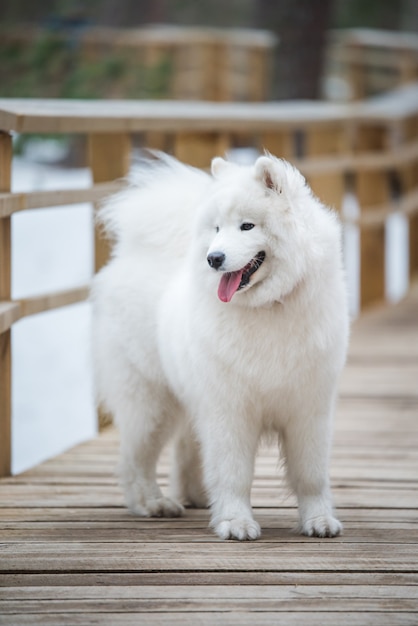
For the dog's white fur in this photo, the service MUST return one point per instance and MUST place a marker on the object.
(172, 359)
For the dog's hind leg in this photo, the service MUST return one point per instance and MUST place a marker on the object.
(186, 481)
(146, 420)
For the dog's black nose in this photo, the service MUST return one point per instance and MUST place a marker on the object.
(215, 259)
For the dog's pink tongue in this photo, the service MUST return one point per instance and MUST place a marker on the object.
(230, 282)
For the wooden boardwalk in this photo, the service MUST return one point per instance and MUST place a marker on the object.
(71, 553)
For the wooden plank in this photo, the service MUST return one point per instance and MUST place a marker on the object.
(375, 216)
(313, 556)
(381, 39)
(355, 495)
(215, 593)
(282, 144)
(191, 579)
(329, 187)
(9, 314)
(372, 188)
(344, 466)
(98, 116)
(198, 149)
(413, 246)
(120, 516)
(123, 600)
(13, 202)
(187, 533)
(272, 518)
(355, 72)
(47, 302)
(6, 151)
(408, 173)
(381, 380)
(109, 158)
(391, 106)
(234, 618)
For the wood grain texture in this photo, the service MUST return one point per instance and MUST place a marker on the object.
(13, 202)
(109, 157)
(372, 189)
(72, 554)
(6, 152)
(117, 116)
(198, 149)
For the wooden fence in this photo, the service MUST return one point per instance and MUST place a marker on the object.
(372, 61)
(370, 148)
(202, 63)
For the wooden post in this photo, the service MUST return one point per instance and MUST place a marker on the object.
(196, 75)
(198, 149)
(409, 178)
(6, 152)
(258, 79)
(109, 158)
(372, 188)
(356, 70)
(280, 143)
(311, 142)
(327, 142)
(407, 66)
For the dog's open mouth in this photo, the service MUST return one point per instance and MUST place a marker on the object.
(231, 282)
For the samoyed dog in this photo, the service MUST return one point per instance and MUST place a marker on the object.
(221, 317)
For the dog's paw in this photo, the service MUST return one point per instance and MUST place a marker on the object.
(321, 526)
(158, 507)
(243, 529)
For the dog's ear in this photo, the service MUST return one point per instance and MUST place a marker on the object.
(266, 172)
(220, 166)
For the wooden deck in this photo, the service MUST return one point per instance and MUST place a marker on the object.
(71, 553)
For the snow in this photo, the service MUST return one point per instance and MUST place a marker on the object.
(52, 389)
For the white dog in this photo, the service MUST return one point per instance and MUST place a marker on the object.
(222, 316)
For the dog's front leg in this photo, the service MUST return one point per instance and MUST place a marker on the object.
(306, 444)
(229, 447)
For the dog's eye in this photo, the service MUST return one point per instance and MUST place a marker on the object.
(247, 226)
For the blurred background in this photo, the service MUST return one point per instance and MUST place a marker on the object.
(72, 49)
(219, 50)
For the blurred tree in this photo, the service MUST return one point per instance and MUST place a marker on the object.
(301, 27)
(23, 10)
(109, 12)
(132, 12)
(409, 18)
(381, 14)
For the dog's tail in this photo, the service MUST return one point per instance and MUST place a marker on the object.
(156, 208)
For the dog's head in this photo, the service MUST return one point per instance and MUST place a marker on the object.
(256, 235)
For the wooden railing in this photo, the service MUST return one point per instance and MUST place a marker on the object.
(218, 64)
(370, 149)
(372, 61)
